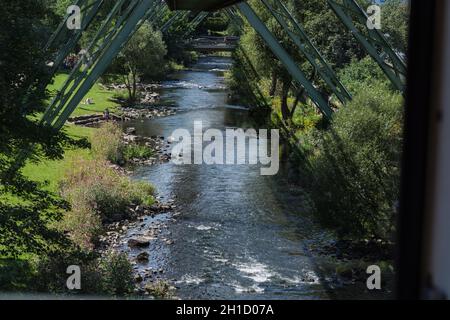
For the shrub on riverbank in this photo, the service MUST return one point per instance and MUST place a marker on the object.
(107, 144)
(110, 274)
(137, 151)
(97, 194)
(355, 166)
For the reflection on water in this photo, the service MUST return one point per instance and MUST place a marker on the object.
(240, 235)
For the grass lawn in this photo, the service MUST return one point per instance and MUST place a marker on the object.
(52, 172)
(100, 97)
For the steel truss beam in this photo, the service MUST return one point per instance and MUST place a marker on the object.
(159, 17)
(63, 41)
(90, 12)
(177, 17)
(199, 18)
(298, 36)
(83, 77)
(373, 41)
(285, 58)
(80, 70)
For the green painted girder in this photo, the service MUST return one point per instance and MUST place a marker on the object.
(106, 34)
(299, 37)
(116, 44)
(178, 16)
(373, 41)
(65, 41)
(161, 11)
(62, 30)
(91, 11)
(199, 18)
(200, 5)
(100, 41)
(284, 57)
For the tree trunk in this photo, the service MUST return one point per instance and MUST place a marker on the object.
(126, 80)
(299, 97)
(134, 85)
(273, 85)
(285, 113)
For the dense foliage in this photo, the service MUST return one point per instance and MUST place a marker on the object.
(355, 166)
(25, 207)
(351, 172)
(133, 65)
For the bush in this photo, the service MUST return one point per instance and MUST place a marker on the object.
(107, 143)
(137, 151)
(117, 274)
(97, 194)
(361, 74)
(110, 274)
(51, 273)
(355, 167)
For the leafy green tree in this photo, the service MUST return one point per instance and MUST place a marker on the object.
(142, 58)
(355, 166)
(395, 23)
(25, 207)
(361, 74)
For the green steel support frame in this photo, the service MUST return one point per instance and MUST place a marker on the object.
(91, 11)
(80, 70)
(82, 77)
(116, 44)
(373, 41)
(300, 38)
(159, 17)
(285, 58)
(124, 19)
(199, 18)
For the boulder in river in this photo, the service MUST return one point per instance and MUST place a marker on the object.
(131, 130)
(142, 257)
(138, 242)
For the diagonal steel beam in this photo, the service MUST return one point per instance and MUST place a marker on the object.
(83, 78)
(285, 58)
(73, 40)
(104, 36)
(99, 68)
(299, 37)
(199, 18)
(373, 41)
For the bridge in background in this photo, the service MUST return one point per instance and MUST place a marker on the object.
(209, 44)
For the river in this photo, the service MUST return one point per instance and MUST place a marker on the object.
(238, 235)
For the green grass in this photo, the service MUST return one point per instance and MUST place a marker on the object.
(100, 97)
(52, 172)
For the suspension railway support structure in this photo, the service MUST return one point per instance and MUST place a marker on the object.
(126, 16)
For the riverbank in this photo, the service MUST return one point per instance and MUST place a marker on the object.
(109, 199)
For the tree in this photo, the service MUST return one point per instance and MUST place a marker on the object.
(355, 166)
(142, 58)
(26, 208)
(395, 24)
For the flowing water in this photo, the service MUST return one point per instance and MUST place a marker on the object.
(239, 235)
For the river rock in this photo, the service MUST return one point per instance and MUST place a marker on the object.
(138, 242)
(142, 257)
(131, 130)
